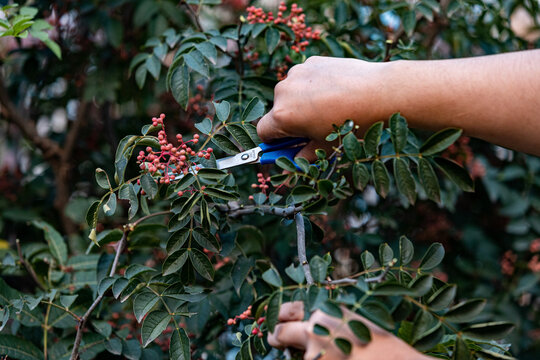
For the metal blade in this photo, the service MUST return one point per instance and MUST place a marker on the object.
(247, 157)
(191, 170)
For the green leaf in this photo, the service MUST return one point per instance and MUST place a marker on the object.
(56, 242)
(316, 207)
(149, 185)
(185, 181)
(105, 284)
(360, 176)
(440, 141)
(175, 261)
(223, 109)
(67, 300)
(212, 174)
(489, 331)
(296, 273)
(114, 346)
(153, 325)
(332, 309)
(391, 288)
(404, 179)
(344, 345)
(442, 298)
(367, 259)
(492, 355)
(225, 144)
(204, 126)
(429, 180)
(386, 255)
(303, 193)
(430, 338)
(201, 263)
(206, 240)
(271, 38)
(325, 187)
(421, 285)
(409, 22)
(381, 178)
(285, 164)
(465, 311)
(110, 206)
(140, 76)
(179, 348)
(143, 303)
(406, 251)
(180, 85)
(241, 136)
(320, 330)
(220, 194)
(102, 179)
(92, 214)
(208, 50)
(456, 173)
(360, 330)
(461, 350)
(253, 110)
(272, 313)
(319, 268)
(271, 276)
(177, 240)
(399, 132)
(352, 147)
(433, 257)
(153, 65)
(372, 138)
(17, 348)
(196, 62)
(127, 192)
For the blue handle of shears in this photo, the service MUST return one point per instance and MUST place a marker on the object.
(287, 147)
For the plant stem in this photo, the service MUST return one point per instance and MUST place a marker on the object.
(301, 244)
(29, 268)
(192, 15)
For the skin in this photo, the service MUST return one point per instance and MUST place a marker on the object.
(293, 332)
(495, 98)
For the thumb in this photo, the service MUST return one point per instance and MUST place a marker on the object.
(268, 129)
(289, 334)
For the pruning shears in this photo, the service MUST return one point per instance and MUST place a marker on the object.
(265, 153)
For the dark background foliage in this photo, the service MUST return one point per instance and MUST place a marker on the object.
(63, 118)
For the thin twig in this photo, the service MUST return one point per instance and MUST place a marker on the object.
(344, 281)
(82, 321)
(381, 276)
(301, 244)
(234, 210)
(30, 269)
(121, 245)
(192, 15)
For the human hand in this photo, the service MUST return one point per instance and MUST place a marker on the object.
(321, 92)
(293, 332)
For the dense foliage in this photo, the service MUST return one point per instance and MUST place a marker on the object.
(141, 248)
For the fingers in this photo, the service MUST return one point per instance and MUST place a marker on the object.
(289, 334)
(268, 129)
(291, 311)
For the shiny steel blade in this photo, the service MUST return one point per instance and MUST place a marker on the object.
(191, 170)
(247, 157)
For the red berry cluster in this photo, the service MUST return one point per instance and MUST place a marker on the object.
(296, 21)
(243, 316)
(171, 161)
(247, 315)
(196, 104)
(508, 262)
(262, 184)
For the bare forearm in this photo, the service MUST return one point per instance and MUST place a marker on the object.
(495, 98)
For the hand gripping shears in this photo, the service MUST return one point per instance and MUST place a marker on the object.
(265, 153)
